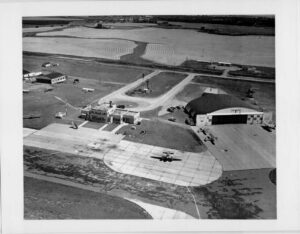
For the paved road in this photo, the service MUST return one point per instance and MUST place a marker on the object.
(145, 104)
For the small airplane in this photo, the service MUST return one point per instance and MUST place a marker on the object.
(210, 138)
(88, 90)
(74, 125)
(166, 157)
(31, 116)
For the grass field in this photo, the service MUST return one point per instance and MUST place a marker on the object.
(247, 194)
(158, 84)
(264, 93)
(46, 200)
(86, 69)
(162, 134)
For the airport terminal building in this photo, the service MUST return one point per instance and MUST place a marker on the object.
(211, 109)
(108, 113)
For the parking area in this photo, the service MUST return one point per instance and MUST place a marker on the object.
(193, 169)
(242, 146)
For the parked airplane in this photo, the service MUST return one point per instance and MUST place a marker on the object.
(74, 125)
(166, 157)
(210, 138)
(31, 116)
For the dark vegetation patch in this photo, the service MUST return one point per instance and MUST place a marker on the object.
(254, 71)
(244, 194)
(201, 67)
(245, 20)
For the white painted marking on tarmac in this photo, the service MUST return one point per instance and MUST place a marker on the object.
(81, 125)
(100, 129)
(118, 127)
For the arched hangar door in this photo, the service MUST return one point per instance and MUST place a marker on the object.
(229, 119)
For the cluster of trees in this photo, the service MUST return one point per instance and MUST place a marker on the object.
(259, 21)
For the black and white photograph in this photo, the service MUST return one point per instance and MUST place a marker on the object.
(149, 116)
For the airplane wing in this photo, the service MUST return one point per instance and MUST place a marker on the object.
(156, 157)
(176, 159)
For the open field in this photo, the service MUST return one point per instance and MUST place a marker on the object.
(46, 200)
(264, 95)
(159, 84)
(103, 48)
(169, 46)
(164, 135)
(242, 146)
(47, 104)
(86, 69)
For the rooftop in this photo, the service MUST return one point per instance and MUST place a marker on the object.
(209, 103)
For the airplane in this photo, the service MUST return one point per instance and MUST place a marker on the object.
(74, 125)
(166, 157)
(210, 138)
(31, 116)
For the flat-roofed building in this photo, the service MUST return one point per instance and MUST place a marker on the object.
(101, 113)
(108, 113)
(52, 78)
(131, 117)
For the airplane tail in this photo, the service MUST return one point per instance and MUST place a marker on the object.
(74, 125)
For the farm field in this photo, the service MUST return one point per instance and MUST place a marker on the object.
(102, 48)
(163, 134)
(168, 46)
(87, 69)
(46, 200)
(159, 84)
(264, 95)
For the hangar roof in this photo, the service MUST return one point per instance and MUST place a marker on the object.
(209, 102)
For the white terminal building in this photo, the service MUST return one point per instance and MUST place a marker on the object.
(212, 108)
(109, 113)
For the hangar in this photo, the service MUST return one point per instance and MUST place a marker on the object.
(211, 109)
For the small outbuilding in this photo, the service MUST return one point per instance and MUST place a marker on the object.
(211, 109)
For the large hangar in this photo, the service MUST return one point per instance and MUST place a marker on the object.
(211, 109)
